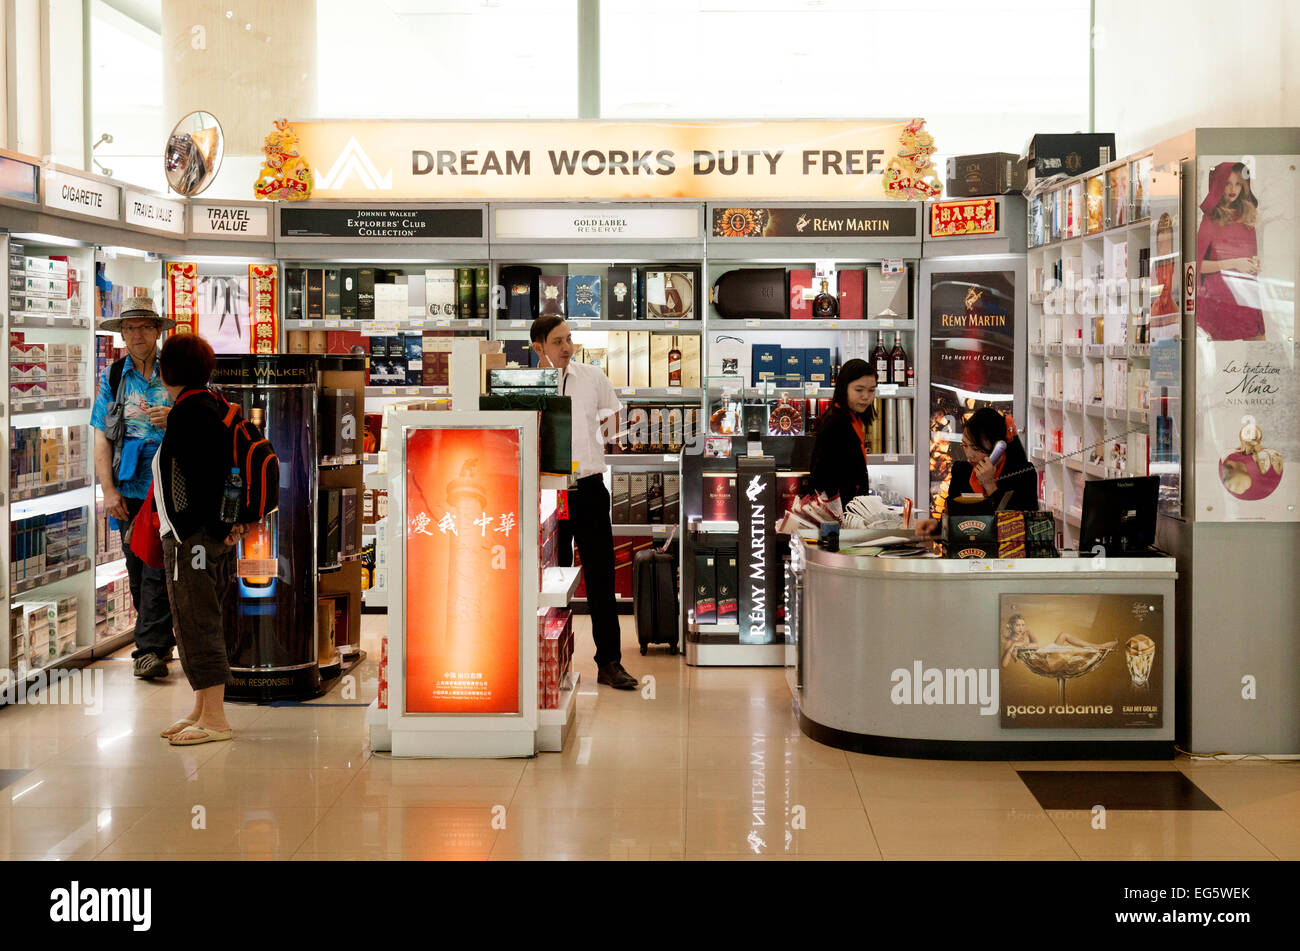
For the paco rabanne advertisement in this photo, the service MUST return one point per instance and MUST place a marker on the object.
(1081, 661)
(1247, 417)
(462, 571)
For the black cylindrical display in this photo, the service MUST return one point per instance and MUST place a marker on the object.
(270, 613)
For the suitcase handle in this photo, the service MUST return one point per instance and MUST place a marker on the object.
(668, 541)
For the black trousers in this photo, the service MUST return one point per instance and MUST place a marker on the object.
(153, 623)
(589, 527)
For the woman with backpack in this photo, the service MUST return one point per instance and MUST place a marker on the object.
(198, 547)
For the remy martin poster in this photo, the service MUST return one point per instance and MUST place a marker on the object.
(972, 360)
(1081, 661)
(1247, 415)
(462, 571)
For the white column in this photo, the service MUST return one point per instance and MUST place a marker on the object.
(248, 69)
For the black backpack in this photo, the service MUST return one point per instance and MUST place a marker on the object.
(251, 453)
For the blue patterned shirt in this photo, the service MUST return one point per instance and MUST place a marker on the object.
(135, 471)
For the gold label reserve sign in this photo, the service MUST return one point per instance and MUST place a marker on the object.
(1081, 661)
(600, 160)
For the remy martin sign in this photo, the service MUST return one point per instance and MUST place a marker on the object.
(600, 160)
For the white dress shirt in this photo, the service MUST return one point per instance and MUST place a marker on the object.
(593, 401)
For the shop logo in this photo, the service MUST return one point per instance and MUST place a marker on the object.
(803, 222)
(353, 159)
(755, 488)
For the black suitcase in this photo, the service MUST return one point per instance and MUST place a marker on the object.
(756, 292)
(654, 598)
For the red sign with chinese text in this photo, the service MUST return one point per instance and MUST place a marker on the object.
(182, 276)
(263, 330)
(462, 571)
(972, 216)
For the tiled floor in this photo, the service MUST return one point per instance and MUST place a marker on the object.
(713, 767)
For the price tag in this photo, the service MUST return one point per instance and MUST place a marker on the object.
(752, 322)
(442, 322)
(388, 391)
(629, 391)
(887, 389)
(584, 324)
(477, 322)
(810, 389)
(412, 391)
(331, 322)
(518, 324)
(49, 321)
(891, 457)
(417, 323)
(674, 323)
(885, 322)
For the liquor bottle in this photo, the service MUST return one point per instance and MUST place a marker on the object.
(880, 358)
(674, 365)
(898, 363)
(825, 305)
(835, 368)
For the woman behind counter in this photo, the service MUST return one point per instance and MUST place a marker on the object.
(839, 463)
(1009, 485)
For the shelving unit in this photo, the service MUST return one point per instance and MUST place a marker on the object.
(1091, 413)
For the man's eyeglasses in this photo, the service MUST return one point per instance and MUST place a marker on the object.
(139, 329)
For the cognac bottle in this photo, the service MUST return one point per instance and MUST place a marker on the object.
(898, 363)
(825, 305)
(674, 365)
(880, 357)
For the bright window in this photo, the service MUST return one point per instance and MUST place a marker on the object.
(985, 76)
(456, 59)
(127, 97)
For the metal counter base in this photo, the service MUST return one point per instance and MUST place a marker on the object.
(1012, 750)
(903, 657)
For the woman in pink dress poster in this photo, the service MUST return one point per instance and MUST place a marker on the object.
(1227, 255)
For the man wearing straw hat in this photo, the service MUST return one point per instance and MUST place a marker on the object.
(129, 417)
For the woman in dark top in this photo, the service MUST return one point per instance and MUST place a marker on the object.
(839, 464)
(190, 471)
(1009, 485)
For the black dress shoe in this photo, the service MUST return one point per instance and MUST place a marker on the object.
(613, 675)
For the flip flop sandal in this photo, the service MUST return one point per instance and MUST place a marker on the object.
(200, 734)
(184, 722)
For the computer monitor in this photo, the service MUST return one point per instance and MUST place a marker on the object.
(1119, 515)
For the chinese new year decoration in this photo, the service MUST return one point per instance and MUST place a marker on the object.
(285, 174)
(910, 175)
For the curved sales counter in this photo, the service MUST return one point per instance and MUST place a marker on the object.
(902, 657)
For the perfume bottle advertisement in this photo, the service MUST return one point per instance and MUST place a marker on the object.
(462, 571)
(223, 313)
(1247, 417)
(1081, 661)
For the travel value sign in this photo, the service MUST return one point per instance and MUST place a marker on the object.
(604, 160)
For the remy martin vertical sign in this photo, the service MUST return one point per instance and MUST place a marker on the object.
(759, 565)
(601, 160)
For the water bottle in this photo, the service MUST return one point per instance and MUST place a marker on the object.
(230, 497)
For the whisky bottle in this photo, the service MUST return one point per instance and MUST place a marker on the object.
(825, 305)
(898, 363)
(674, 365)
(880, 358)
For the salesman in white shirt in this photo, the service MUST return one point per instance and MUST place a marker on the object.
(593, 402)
